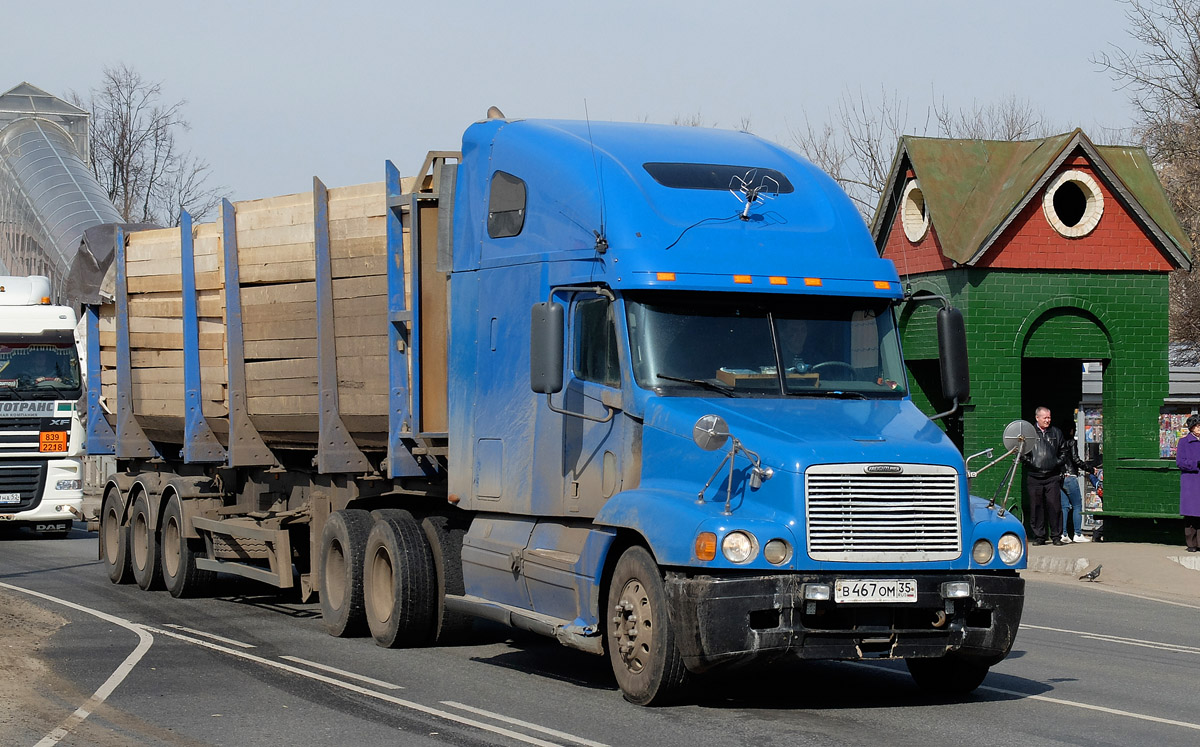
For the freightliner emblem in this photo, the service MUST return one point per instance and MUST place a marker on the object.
(883, 469)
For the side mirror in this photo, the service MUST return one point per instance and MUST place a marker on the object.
(546, 347)
(952, 354)
(710, 432)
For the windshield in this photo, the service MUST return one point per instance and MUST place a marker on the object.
(39, 370)
(689, 344)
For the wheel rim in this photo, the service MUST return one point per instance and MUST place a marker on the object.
(141, 535)
(380, 590)
(633, 626)
(112, 542)
(335, 576)
(172, 543)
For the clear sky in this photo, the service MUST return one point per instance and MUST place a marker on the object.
(278, 92)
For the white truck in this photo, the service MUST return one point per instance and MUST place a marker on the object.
(41, 438)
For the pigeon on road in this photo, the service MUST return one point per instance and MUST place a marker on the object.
(1091, 575)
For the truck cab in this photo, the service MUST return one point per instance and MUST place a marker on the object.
(695, 289)
(40, 385)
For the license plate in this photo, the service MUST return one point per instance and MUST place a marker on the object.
(848, 591)
(53, 441)
(10, 497)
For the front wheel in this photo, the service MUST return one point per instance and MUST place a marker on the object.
(640, 639)
(952, 674)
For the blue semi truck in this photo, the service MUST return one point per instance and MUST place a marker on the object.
(638, 388)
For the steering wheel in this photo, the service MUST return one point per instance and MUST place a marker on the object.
(853, 375)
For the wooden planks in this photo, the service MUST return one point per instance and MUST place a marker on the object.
(277, 271)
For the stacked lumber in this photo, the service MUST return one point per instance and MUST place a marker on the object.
(276, 255)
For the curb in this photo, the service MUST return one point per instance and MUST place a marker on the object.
(1063, 566)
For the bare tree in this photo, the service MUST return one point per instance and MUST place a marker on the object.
(1161, 72)
(858, 141)
(135, 156)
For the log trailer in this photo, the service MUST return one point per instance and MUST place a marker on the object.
(634, 387)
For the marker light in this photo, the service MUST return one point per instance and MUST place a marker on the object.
(882, 285)
(743, 279)
(777, 280)
(666, 276)
(813, 282)
(706, 546)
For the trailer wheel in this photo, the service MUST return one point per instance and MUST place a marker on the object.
(180, 574)
(343, 543)
(641, 641)
(114, 540)
(143, 545)
(950, 675)
(400, 582)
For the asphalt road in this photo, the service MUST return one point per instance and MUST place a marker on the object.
(250, 666)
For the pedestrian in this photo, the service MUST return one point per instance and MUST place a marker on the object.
(1187, 456)
(1072, 494)
(1044, 465)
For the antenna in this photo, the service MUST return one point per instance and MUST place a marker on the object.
(601, 236)
(748, 193)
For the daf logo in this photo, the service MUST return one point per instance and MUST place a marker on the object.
(883, 469)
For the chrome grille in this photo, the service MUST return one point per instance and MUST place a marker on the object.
(857, 516)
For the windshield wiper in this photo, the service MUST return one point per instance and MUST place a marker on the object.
(711, 386)
(827, 393)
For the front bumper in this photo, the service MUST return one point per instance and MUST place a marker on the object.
(729, 620)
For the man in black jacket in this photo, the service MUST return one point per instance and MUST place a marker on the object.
(1043, 478)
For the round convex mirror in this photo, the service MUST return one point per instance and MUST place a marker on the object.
(1020, 432)
(710, 432)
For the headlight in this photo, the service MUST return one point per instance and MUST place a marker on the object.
(67, 485)
(777, 552)
(1011, 548)
(739, 547)
(982, 552)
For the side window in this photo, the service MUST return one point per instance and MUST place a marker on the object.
(506, 206)
(595, 343)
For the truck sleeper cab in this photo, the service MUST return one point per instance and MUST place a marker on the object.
(644, 395)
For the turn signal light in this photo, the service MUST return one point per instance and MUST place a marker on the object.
(706, 546)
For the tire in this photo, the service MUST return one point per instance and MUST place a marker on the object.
(950, 675)
(143, 545)
(400, 583)
(343, 544)
(114, 539)
(180, 574)
(640, 639)
(446, 540)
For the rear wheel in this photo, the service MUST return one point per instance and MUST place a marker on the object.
(114, 539)
(343, 544)
(180, 574)
(143, 545)
(641, 641)
(400, 582)
(950, 675)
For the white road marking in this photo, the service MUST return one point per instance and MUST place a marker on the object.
(213, 636)
(1098, 587)
(344, 673)
(145, 641)
(1056, 701)
(1178, 648)
(360, 690)
(525, 724)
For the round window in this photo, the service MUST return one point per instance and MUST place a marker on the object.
(913, 214)
(1073, 203)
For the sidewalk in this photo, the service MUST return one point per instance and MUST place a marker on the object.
(1165, 572)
